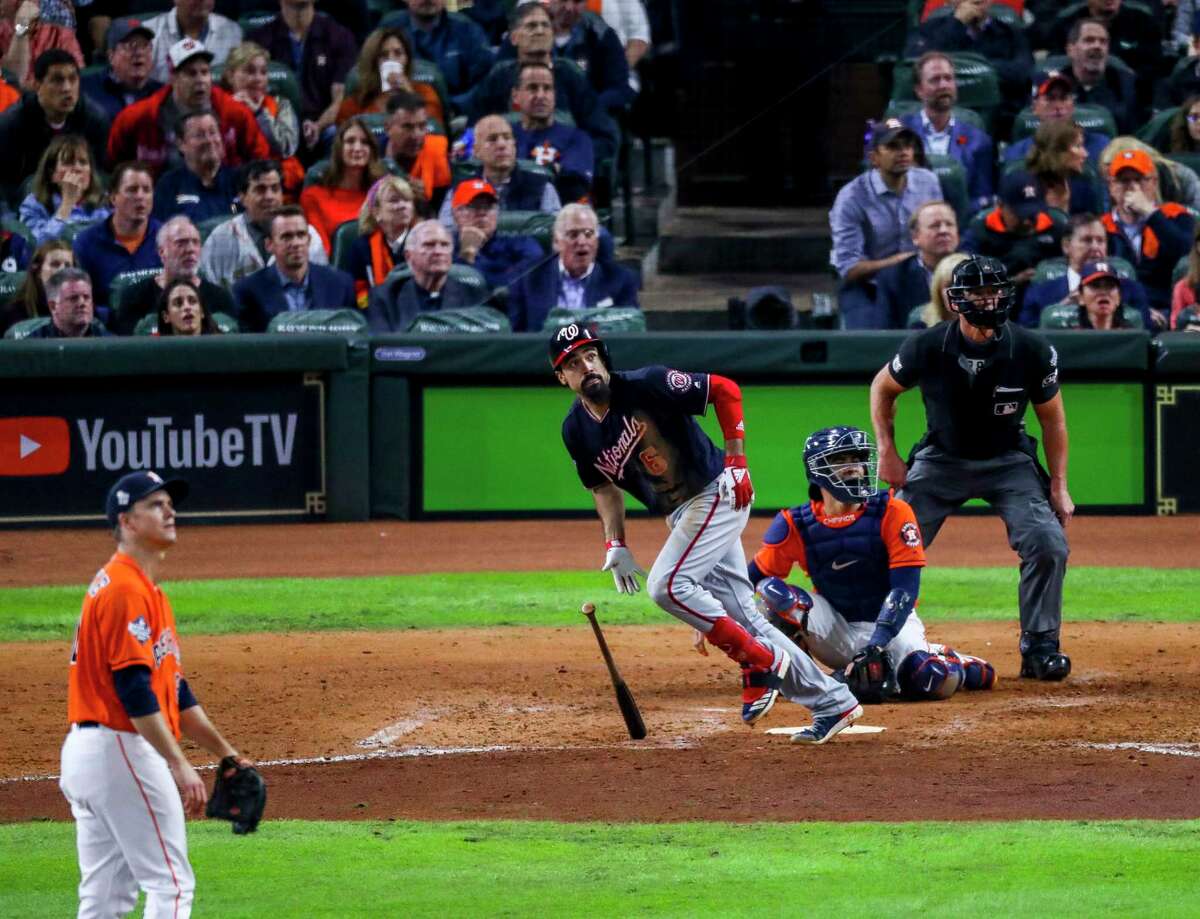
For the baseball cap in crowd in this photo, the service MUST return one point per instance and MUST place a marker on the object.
(184, 50)
(1137, 160)
(1094, 271)
(121, 29)
(1019, 190)
(1052, 79)
(886, 131)
(471, 189)
(131, 488)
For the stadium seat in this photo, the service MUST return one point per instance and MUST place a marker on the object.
(1052, 269)
(1180, 269)
(953, 179)
(464, 274)
(122, 284)
(915, 318)
(1088, 117)
(148, 323)
(343, 238)
(25, 327)
(461, 170)
(13, 225)
(209, 224)
(1157, 131)
(470, 319)
(1066, 316)
(256, 20)
(1191, 160)
(1063, 63)
(898, 109)
(10, 283)
(281, 81)
(606, 320)
(537, 224)
(978, 84)
(329, 322)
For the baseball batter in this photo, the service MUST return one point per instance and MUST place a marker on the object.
(862, 549)
(978, 374)
(635, 431)
(127, 780)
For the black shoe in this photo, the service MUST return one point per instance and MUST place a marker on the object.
(1045, 665)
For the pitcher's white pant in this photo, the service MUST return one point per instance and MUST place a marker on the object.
(834, 641)
(700, 576)
(129, 825)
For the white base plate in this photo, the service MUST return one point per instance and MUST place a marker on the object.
(852, 729)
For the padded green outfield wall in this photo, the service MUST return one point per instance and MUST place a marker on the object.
(512, 459)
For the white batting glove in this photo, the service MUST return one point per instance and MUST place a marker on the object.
(734, 485)
(625, 570)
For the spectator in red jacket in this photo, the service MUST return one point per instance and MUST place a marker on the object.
(148, 130)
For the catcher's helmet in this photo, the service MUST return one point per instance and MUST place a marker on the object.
(571, 337)
(827, 443)
(973, 276)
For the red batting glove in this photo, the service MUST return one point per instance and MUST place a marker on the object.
(735, 484)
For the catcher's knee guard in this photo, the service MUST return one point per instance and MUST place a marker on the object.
(785, 606)
(925, 675)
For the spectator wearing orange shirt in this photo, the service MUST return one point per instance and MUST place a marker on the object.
(424, 156)
(384, 67)
(339, 194)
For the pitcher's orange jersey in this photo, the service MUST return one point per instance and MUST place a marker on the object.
(126, 620)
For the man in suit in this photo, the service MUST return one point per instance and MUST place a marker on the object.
(1086, 241)
(898, 288)
(292, 283)
(575, 280)
(944, 135)
(428, 250)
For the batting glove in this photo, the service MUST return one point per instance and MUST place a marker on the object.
(735, 487)
(625, 570)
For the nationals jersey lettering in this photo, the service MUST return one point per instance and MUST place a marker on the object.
(126, 621)
(647, 443)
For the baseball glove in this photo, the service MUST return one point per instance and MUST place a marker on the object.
(871, 677)
(239, 795)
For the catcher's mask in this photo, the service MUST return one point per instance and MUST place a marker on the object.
(844, 461)
(570, 338)
(980, 291)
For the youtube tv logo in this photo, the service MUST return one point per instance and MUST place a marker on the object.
(34, 446)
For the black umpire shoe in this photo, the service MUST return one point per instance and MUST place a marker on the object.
(1041, 659)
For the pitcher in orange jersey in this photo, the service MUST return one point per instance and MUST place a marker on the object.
(123, 772)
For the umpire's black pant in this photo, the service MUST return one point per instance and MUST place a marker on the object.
(939, 483)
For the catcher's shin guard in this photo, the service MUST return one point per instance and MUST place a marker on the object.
(926, 675)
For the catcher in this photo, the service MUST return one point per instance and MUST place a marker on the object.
(862, 549)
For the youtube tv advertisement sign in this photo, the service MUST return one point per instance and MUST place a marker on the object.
(249, 446)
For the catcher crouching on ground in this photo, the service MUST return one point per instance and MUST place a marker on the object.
(862, 549)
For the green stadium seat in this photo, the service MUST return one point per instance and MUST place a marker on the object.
(209, 224)
(1088, 117)
(1191, 160)
(464, 274)
(471, 319)
(122, 284)
(899, 109)
(328, 322)
(1066, 316)
(605, 320)
(1063, 63)
(13, 225)
(1157, 131)
(537, 224)
(915, 318)
(25, 327)
(953, 179)
(10, 283)
(147, 324)
(1052, 269)
(343, 238)
(256, 20)
(978, 84)
(1181, 269)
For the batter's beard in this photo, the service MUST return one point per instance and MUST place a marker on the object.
(596, 390)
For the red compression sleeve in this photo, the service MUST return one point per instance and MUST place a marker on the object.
(725, 396)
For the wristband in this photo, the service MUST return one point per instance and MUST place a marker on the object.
(615, 543)
(738, 462)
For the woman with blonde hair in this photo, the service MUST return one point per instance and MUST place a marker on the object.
(66, 190)
(338, 195)
(1176, 182)
(935, 310)
(1057, 159)
(246, 77)
(384, 66)
(387, 215)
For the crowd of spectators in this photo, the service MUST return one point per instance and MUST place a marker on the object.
(210, 164)
(1079, 166)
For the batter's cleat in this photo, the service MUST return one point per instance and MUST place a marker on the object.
(761, 685)
(1051, 666)
(827, 727)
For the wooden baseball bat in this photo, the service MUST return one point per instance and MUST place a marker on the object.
(625, 701)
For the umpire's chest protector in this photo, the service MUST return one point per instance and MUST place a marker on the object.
(848, 565)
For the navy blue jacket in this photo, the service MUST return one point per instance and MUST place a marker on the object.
(99, 254)
(109, 96)
(531, 298)
(260, 296)
(898, 288)
(595, 47)
(503, 258)
(180, 191)
(95, 329)
(456, 44)
(396, 302)
(1048, 293)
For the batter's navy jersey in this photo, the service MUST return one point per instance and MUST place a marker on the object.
(976, 395)
(647, 443)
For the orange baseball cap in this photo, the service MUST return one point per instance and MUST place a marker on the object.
(1137, 160)
(471, 189)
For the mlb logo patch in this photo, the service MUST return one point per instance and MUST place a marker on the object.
(1006, 408)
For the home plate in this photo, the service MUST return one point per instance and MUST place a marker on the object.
(852, 729)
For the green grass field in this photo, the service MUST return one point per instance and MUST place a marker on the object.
(517, 869)
(292, 868)
(552, 598)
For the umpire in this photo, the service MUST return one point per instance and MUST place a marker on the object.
(978, 373)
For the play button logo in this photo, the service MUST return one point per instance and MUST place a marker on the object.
(34, 446)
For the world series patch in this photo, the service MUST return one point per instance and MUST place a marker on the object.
(140, 629)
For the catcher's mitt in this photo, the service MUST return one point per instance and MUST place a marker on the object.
(871, 677)
(239, 795)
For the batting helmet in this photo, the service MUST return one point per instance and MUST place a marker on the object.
(571, 337)
(965, 292)
(821, 448)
